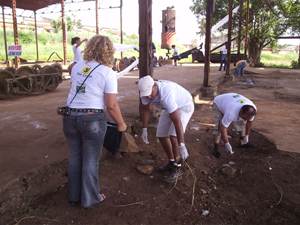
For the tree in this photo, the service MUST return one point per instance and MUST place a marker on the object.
(56, 25)
(292, 10)
(268, 20)
(71, 24)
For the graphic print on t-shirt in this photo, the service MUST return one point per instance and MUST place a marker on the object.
(85, 70)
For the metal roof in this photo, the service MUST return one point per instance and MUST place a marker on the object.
(29, 4)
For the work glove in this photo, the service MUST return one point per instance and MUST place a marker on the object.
(245, 140)
(183, 151)
(145, 136)
(228, 148)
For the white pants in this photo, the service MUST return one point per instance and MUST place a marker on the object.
(166, 128)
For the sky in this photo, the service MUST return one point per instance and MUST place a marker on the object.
(186, 22)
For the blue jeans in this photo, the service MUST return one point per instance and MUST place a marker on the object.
(239, 70)
(223, 62)
(85, 136)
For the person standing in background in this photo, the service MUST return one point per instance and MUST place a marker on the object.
(223, 59)
(76, 42)
(175, 54)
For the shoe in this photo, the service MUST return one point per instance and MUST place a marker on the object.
(215, 152)
(171, 166)
(73, 203)
(173, 176)
(248, 145)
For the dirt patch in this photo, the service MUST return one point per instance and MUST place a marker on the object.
(254, 186)
(263, 189)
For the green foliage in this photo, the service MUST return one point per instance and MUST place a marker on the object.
(295, 64)
(52, 42)
(268, 20)
(278, 60)
(220, 11)
(56, 25)
(71, 24)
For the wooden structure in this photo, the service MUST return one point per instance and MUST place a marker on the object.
(145, 37)
(209, 12)
(34, 5)
(241, 3)
(229, 37)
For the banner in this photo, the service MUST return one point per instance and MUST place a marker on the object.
(14, 50)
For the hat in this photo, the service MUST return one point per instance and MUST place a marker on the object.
(145, 85)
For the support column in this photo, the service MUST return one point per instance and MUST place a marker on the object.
(121, 24)
(4, 35)
(209, 11)
(240, 30)
(299, 55)
(36, 38)
(247, 29)
(229, 37)
(15, 26)
(97, 16)
(63, 26)
(145, 37)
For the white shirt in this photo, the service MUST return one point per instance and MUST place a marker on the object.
(171, 96)
(224, 50)
(91, 95)
(230, 105)
(175, 52)
(77, 54)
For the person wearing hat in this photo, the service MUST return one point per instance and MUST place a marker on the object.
(232, 108)
(177, 109)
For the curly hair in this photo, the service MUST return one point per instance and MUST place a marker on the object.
(99, 48)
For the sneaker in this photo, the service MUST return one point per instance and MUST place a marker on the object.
(173, 176)
(215, 152)
(248, 145)
(171, 166)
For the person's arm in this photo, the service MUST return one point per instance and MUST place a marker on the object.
(114, 110)
(224, 133)
(77, 45)
(144, 114)
(175, 117)
(248, 127)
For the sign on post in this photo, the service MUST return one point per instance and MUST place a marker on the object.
(14, 50)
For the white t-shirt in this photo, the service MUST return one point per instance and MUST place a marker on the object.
(224, 50)
(91, 95)
(175, 52)
(171, 96)
(230, 105)
(77, 54)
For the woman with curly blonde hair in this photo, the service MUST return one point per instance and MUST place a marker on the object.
(93, 90)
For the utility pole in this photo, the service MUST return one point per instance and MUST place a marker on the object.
(247, 29)
(97, 15)
(145, 37)
(229, 38)
(209, 11)
(240, 29)
(121, 24)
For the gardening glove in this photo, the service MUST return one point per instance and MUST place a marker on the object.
(245, 140)
(183, 151)
(145, 136)
(228, 148)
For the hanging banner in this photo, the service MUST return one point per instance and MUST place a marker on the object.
(14, 50)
